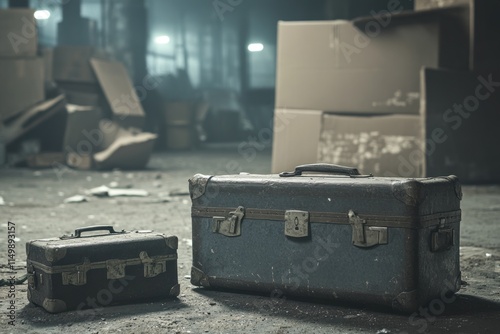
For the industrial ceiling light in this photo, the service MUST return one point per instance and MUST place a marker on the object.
(42, 15)
(255, 47)
(162, 39)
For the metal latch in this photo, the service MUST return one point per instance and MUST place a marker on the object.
(443, 238)
(366, 236)
(78, 277)
(32, 277)
(115, 269)
(230, 226)
(152, 267)
(296, 223)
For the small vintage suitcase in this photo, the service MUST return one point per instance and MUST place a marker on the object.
(91, 271)
(339, 235)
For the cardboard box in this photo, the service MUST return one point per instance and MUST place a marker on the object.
(79, 161)
(454, 133)
(48, 61)
(83, 135)
(72, 63)
(296, 137)
(14, 128)
(45, 160)
(373, 144)
(22, 85)
(344, 66)
(180, 137)
(479, 19)
(120, 93)
(127, 152)
(18, 33)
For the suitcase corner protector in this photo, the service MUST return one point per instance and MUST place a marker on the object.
(172, 242)
(55, 254)
(198, 278)
(54, 305)
(198, 185)
(175, 290)
(409, 192)
(406, 302)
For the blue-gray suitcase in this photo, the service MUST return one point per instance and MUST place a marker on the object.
(336, 235)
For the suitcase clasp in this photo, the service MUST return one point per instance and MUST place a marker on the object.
(230, 226)
(443, 238)
(115, 269)
(152, 267)
(366, 236)
(78, 277)
(296, 223)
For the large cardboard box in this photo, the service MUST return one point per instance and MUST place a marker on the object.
(296, 137)
(374, 144)
(21, 85)
(364, 66)
(18, 33)
(83, 94)
(82, 134)
(120, 93)
(72, 63)
(479, 18)
(454, 133)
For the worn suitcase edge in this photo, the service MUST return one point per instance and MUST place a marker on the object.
(408, 191)
(198, 278)
(405, 302)
(198, 185)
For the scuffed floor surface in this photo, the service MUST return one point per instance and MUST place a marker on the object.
(34, 202)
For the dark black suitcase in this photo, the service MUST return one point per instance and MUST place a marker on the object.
(342, 236)
(79, 272)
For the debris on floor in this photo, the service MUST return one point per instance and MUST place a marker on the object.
(178, 193)
(104, 191)
(76, 199)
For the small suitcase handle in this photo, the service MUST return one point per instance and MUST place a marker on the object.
(322, 168)
(79, 231)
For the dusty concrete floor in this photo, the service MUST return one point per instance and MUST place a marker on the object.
(34, 202)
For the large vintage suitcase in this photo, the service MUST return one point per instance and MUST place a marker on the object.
(338, 235)
(83, 271)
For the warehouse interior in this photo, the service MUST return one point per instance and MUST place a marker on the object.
(109, 107)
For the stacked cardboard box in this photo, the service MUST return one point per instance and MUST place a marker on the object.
(380, 93)
(22, 84)
(23, 104)
(105, 115)
(74, 75)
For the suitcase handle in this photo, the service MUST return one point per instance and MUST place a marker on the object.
(79, 231)
(322, 168)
